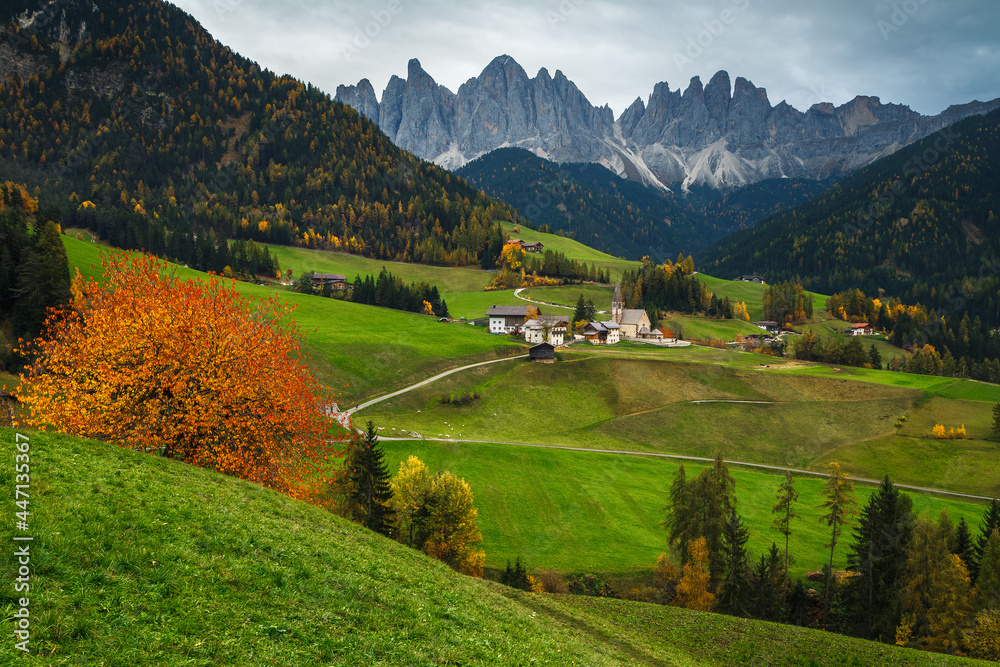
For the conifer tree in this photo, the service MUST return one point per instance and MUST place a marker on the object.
(43, 281)
(962, 544)
(370, 490)
(926, 557)
(787, 496)
(991, 522)
(987, 595)
(735, 592)
(840, 505)
(878, 555)
(768, 583)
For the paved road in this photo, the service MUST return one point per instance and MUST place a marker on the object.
(362, 406)
(696, 458)
(518, 291)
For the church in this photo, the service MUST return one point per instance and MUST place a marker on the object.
(634, 322)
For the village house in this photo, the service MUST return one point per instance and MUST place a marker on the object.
(861, 329)
(334, 280)
(769, 326)
(632, 321)
(546, 328)
(507, 319)
(602, 333)
(751, 279)
(535, 246)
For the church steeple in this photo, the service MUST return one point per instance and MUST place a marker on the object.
(616, 305)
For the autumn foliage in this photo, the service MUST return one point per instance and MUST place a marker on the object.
(188, 369)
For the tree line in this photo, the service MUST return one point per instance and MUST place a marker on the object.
(386, 290)
(671, 286)
(912, 580)
(433, 513)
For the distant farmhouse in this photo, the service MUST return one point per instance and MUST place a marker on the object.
(334, 280)
(602, 333)
(535, 246)
(546, 329)
(861, 329)
(751, 279)
(507, 319)
(769, 326)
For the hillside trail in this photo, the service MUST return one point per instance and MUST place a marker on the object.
(379, 399)
(701, 459)
(623, 452)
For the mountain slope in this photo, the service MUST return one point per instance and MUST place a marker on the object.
(624, 217)
(135, 108)
(140, 560)
(586, 200)
(921, 225)
(722, 134)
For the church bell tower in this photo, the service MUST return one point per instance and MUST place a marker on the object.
(616, 305)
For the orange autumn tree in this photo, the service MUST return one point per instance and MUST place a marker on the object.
(189, 369)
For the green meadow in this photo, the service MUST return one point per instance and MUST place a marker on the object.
(579, 512)
(141, 560)
(788, 414)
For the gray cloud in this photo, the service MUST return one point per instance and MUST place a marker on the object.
(924, 53)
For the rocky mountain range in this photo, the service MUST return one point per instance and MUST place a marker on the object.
(722, 134)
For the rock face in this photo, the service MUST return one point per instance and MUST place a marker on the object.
(723, 134)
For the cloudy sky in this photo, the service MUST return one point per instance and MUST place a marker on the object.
(924, 53)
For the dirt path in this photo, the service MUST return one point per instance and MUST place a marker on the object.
(699, 459)
(362, 406)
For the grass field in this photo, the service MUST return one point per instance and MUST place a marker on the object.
(360, 351)
(574, 250)
(776, 416)
(581, 511)
(139, 560)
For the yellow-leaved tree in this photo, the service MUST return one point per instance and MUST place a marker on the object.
(187, 369)
(692, 589)
(436, 514)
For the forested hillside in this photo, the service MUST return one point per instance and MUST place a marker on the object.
(623, 217)
(592, 204)
(920, 225)
(153, 134)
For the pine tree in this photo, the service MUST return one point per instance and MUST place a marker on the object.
(580, 314)
(962, 544)
(840, 505)
(787, 496)
(370, 490)
(735, 592)
(516, 577)
(949, 609)
(43, 281)
(678, 513)
(991, 522)
(926, 557)
(987, 596)
(768, 582)
(878, 555)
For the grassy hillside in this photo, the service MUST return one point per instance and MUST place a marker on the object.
(138, 560)
(790, 414)
(360, 351)
(585, 511)
(573, 249)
